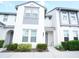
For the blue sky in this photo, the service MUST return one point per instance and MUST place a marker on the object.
(9, 6)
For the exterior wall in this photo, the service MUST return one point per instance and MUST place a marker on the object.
(3, 32)
(19, 26)
(55, 23)
(70, 29)
(52, 21)
(10, 19)
(48, 22)
(1, 17)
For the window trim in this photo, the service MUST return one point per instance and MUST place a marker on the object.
(32, 19)
(5, 18)
(25, 36)
(33, 36)
(30, 35)
(76, 33)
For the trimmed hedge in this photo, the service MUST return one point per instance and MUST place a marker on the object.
(1, 43)
(24, 47)
(12, 47)
(65, 45)
(41, 47)
(59, 47)
(71, 45)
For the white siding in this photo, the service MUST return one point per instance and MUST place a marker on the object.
(19, 26)
(48, 23)
(1, 18)
(11, 20)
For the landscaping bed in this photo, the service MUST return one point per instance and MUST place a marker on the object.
(26, 48)
(72, 45)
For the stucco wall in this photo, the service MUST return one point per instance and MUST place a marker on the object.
(19, 26)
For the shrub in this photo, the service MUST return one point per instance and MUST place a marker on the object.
(1, 43)
(71, 45)
(59, 47)
(12, 47)
(24, 47)
(41, 47)
(65, 45)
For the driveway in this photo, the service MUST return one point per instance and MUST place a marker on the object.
(53, 53)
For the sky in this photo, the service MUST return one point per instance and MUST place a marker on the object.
(9, 6)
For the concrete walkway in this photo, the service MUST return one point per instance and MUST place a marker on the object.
(53, 53)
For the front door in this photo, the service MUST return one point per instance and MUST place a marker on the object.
(49, 38)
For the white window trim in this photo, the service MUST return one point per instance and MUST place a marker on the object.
(29, 35)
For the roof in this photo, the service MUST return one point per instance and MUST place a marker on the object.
(64, 8)
(6, 26)
(29, 2)
(8, 13)
(2, 23)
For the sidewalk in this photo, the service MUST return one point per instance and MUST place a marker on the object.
(53, 53)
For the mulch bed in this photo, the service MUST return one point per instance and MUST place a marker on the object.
(33, 50)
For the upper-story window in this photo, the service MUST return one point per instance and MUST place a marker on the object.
(73, 16)
(31, 15)
(64, 15)
(64, 18)
(5, 18)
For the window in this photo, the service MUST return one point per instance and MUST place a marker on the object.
(66, 35)
(73, 16)
(64, 12)
(31, 15)
(64, 17)
(33, 35)
(75, 35)
(29, 35)
(5, 18)
(25, 36)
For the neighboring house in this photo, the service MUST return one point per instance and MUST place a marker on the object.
(33, 25)
(66, 23)
(7, 21)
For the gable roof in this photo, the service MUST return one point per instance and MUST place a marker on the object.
(30, 2)
(64, 8)
(2, 24)
(7, 13)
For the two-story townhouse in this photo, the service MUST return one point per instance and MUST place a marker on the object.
(7, 21)
(66, 23)
(29, 26)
